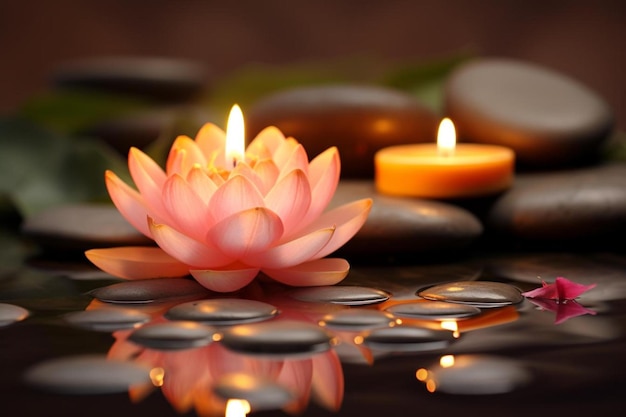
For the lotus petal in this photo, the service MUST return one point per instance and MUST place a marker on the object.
(328, 380)
(129, 202)
(249, 231)
(186, 209)
(149, 179)
(326, 271)
(298, 159)
(290, 198)
(204, 186)
(224, 280)
(192, 153)
(137, 262)
(235, 195)
(324, 172)
(266, 142)
(211, 139)
(186, 249)
(268, 172)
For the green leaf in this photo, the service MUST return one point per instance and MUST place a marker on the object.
(40, 169)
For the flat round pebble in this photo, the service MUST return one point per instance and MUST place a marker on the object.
(408, 339)
(174, 335)
(261, 393)
(158, 78)
(576, 206)
(479, 375)
(476, 293)
(357, 319)
(352, 295)
(357, 119)
(81, 226)
(107, 319)
(86, 374)
(148, 290)
(433, 310)
(546, 117)
(284, 337)
(223, 311)
(10, 314)
(406, 225)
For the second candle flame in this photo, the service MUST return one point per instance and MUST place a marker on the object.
(235, 136)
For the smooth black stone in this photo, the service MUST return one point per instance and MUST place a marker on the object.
(406, 225)
(355, 319)
(173, 335)
(163, 79)
(10, 313)
(433, 310)
(352, 295)
(80, 227)
(585, 206)
(406, 338)
(107, 319)
(223, 311)
(549, 119)
(149, 290)
(358, 119)
(484, 294)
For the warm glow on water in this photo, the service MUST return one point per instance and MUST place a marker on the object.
(431, 386)
(446, 361)
(421, 374)
(237, 408)
(157, 375)
(452, 326)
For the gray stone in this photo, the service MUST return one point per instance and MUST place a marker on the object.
(87, 374)
(81, 226)
(477, 375)
(107, 319)
(10, 313)
(358, 119)
(149, 290)
(477, 293)
(405, 338)
(223, 311)
(547, 118)
(582, 205)
(277, 338)
(357, 319)
(433, 310)
(173, 335)
(352, 295)
(398, 226)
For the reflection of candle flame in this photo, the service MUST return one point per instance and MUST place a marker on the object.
(446, 361)
(452, 326)
(157, 375)
(446, 138)
(235, 136)
(237, 408)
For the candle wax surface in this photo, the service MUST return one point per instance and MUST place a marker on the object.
(420, 170)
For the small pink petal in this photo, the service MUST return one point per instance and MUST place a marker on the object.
(129, 202)
(546, 291)
(293, 252)
(192, 155)
(186, 249)
(268, 172)
(235, 195)
(266, 141)
(348, 218)
(249, 231)
(297, 160)
(137, 262)
(290, 198)
(326, 271)
(149, 179)
(189, 213)
(212, 141)
(202, 184)
(324, 172)
(224, 280)
(242, 168)
(282, 154)
(569, 290)
(328, 381)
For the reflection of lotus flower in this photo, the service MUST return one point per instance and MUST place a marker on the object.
(223, 225)
(564, 310)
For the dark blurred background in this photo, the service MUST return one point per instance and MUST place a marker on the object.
(581, 38)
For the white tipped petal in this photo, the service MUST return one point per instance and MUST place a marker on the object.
(224, 280)
(326, 271)
(137, 262)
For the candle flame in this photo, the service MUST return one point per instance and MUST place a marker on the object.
(237, 408)
(235, 136)
(446, 137)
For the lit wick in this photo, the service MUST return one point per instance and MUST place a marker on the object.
(235, 136)
(446, 138)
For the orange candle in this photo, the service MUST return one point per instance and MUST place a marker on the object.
(444, 170)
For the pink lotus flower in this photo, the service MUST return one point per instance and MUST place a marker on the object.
(561, 290)
(223, 224)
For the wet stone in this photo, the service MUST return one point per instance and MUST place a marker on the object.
(433, 310)
(149, 290)
(81, 227)
(358, 119)
(174, 335)
(484, 294)
(398, 226)
(281, 338)
(351, 295)
(10, 314)
(86, 374)
(162, 79)
(406, 338)
(572, 207)
(478, 375)
(357, 319)
(261, 393)
(547, 118)
(223, 311)
(107, 319)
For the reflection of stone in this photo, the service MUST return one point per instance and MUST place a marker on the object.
(548, 119)
(359, 120)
